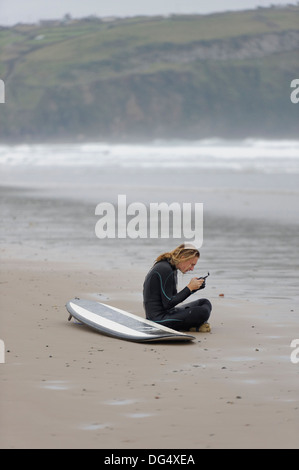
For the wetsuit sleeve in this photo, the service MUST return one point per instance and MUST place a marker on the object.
(171, 302)
(165, 281)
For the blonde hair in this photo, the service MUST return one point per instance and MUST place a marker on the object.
(181, 253)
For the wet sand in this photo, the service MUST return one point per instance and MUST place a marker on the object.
(65, 386)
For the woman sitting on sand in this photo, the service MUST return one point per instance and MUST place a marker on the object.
(160, 294)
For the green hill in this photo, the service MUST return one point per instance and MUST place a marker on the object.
(189, 76)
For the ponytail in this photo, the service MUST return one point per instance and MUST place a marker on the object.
(181, 253)
(164, 257)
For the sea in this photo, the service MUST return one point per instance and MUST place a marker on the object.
(249, 190)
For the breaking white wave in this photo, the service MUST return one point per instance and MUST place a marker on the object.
(265, 156)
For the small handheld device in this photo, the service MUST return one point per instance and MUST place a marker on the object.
(204, 281)
(204, 277)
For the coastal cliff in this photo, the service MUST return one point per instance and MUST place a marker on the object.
(189, 77)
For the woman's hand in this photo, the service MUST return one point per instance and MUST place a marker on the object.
(196, 284)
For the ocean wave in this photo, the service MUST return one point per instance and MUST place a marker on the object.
(266, 156)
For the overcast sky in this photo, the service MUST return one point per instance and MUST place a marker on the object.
(27, 11)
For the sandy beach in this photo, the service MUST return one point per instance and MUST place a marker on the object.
(65, 386)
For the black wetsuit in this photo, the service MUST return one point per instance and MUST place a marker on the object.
(160, 298)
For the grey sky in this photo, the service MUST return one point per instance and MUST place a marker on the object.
(26, 11)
